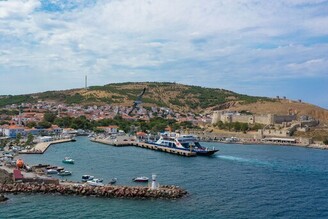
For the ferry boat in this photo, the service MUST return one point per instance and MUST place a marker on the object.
(184, 142)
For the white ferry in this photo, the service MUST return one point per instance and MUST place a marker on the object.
(184, 142)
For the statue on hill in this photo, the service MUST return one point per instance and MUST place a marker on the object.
(138, 101)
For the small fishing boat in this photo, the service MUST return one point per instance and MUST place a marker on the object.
(113, 181)
(68, 160)
(52, 171)
(140, 179)
(87, 178)
(64, 173)
(95, 182)
(100, 180)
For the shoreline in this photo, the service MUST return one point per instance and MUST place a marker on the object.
(313, 146)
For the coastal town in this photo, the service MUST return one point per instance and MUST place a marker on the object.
(31, 128)
(30, 122)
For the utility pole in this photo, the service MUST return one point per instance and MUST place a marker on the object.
(86, 82)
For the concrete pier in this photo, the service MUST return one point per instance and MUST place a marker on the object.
(119, 141)
(41, 147)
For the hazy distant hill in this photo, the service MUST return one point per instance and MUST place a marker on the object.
(183, 98)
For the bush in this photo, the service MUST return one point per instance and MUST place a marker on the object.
(325, 141)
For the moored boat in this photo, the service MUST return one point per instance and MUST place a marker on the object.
(64, 173)
(140, 179)
(86, 178)
(52, 171)
(68, 160)
(113, 181)
(95, 182)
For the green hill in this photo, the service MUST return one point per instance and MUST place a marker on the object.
(179, 97)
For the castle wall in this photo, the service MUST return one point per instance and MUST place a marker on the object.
(243, 118)
(278, 119)
(263, 119)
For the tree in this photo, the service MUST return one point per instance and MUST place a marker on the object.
(244, 127)
(49, 117)
(31, 124)
(30, 139)
(18, 138)
(220, 124)
(44, 124)
(325, 141)
(237, 126)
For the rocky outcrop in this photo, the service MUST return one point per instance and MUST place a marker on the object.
(163, 192)
(3, 198)
(5, 177)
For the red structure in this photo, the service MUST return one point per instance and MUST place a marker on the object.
(17, 175)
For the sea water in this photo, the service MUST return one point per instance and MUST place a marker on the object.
(240, 181)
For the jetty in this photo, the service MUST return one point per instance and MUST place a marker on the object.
(41, 147)
(29, 182)
(132, 142)
(107, 191)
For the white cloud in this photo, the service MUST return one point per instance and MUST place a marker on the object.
(140, 40)
(17, 8)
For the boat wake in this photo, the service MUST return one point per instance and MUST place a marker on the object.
(276, 165)
(245, 160)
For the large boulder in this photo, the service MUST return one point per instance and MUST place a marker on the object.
(3, 198)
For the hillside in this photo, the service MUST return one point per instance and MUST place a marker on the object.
(175, 96)
(179, 97)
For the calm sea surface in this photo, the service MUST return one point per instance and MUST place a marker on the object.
(241, 181)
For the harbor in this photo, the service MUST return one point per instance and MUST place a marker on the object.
(214, 183)
(34, 181)
(49, 179)
(169, 142)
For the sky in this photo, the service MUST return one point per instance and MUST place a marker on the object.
(255, 47)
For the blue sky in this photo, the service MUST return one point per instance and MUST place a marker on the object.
(264, 48)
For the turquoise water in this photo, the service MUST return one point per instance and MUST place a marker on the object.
(241, 181)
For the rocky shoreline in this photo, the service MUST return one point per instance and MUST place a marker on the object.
(163, 192)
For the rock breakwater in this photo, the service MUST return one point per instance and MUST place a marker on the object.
(163, 192)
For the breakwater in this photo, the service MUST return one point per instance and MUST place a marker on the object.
(163, 192)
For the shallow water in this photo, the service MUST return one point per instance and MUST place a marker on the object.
(241, 181)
